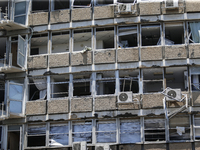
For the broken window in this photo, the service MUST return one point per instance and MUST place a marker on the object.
(81, 3)
(106, 131)
(2, 97)
(197, 127)
(59, 86)
(194, 32)
(105, 83)
(38, 5)
(127, 36)
(3, 51)
(174, 33)
(150, 34)
(130, 131)
(20, 12)
(61, 4)
(195, 82)
(36, 135)
(154, 129)
(58, 134)
(39, 44)
(179, 127)
(4, 10)
(82, 84)
(176, 77)
(105, 38)
(82, 131)
(104, 2)
(152, 80)
(60, 42)
(82, 40)
(129, 80)
(14, 140)
(37, 88)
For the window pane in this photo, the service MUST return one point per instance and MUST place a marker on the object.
(78, 137)
(106, 137)
(106, 127)
(58, 140)
(59, 129)
(15, 92)
(36, 130)
(15, 107)
(82, 128)
(20, 8)
(20, 19)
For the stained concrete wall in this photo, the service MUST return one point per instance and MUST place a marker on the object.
(104, 56)
(197, 145)
(81, 14)
(151, 53)
(103, 12)
(59, 60)
(196, 98)
(40, 18)
(194, 50)
(57, 106)
(83, 104)
(175, 52)
(180, 146)
(150, 8)
(178, 10)
(60, 16)
(154, 100)
(155, 147)
(37, 62)
(130, 147)
(125, 106)
(36, 107)
(192, 5)
(81, 58)
(127, 55)
(105, 103)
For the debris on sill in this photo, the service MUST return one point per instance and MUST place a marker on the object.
(180, 130)
(86, 49)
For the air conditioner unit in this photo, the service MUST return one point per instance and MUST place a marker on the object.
(125, 97)
(102, 147)
(79, 145)
(173, 94)
(171, 3)
(124, 8)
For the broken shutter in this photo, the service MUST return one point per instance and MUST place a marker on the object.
(21, 52)
(15, 97)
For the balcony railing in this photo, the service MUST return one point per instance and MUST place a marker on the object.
(4, 16)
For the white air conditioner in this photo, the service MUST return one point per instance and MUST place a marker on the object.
(79, 145)
(171, 3)
(173, 94)
(102, 147)
(125, 97)
(124, 8)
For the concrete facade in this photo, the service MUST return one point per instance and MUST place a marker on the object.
(81, 14)
(60, 16)
(151, 53)
(105, 103)
(105, 56)
(37, 62)
(36, 107)
(38, 19)
(59, 60)
(57, 106)
(81, 104)
(81, 58)
(103, 12)
(127, 55)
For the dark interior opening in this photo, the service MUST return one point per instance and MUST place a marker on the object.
(102, 2)
(81, 89)
(38, 5)
(34, 93)
(82, 2)
(13, 140)
(61, 4)
(129, 85)
(36, 141)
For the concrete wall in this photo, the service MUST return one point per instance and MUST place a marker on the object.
(155, 147)
(150, 8)
(105, 103)
(125, 106)
(151, 53)
(103, 12)
(175, 52)
(81, 58)
(37, 62)
(127, 55)
(130, 147)
(192, 5)
(154, 100)
(57, 106)
(197, 145)
(40, 18)
(36, 107)
(79, 14)
(179, 10)
(82, 104)
(196, 98)
(60, 16)
(104, 56)
(180, 146)
(59, 60)
(194, 50)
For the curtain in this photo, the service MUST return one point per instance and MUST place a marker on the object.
(195, 28)
(41, 85)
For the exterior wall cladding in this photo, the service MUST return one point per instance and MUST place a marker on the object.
(98, 74)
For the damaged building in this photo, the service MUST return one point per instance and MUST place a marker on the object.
(99, 75)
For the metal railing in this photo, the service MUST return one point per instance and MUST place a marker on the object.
(4, 16)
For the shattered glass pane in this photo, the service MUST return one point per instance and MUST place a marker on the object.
(15, 92)
(78, 137)
(59, 129)
(36, 130)
(58, 140)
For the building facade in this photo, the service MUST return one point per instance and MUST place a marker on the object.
(100, 74)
